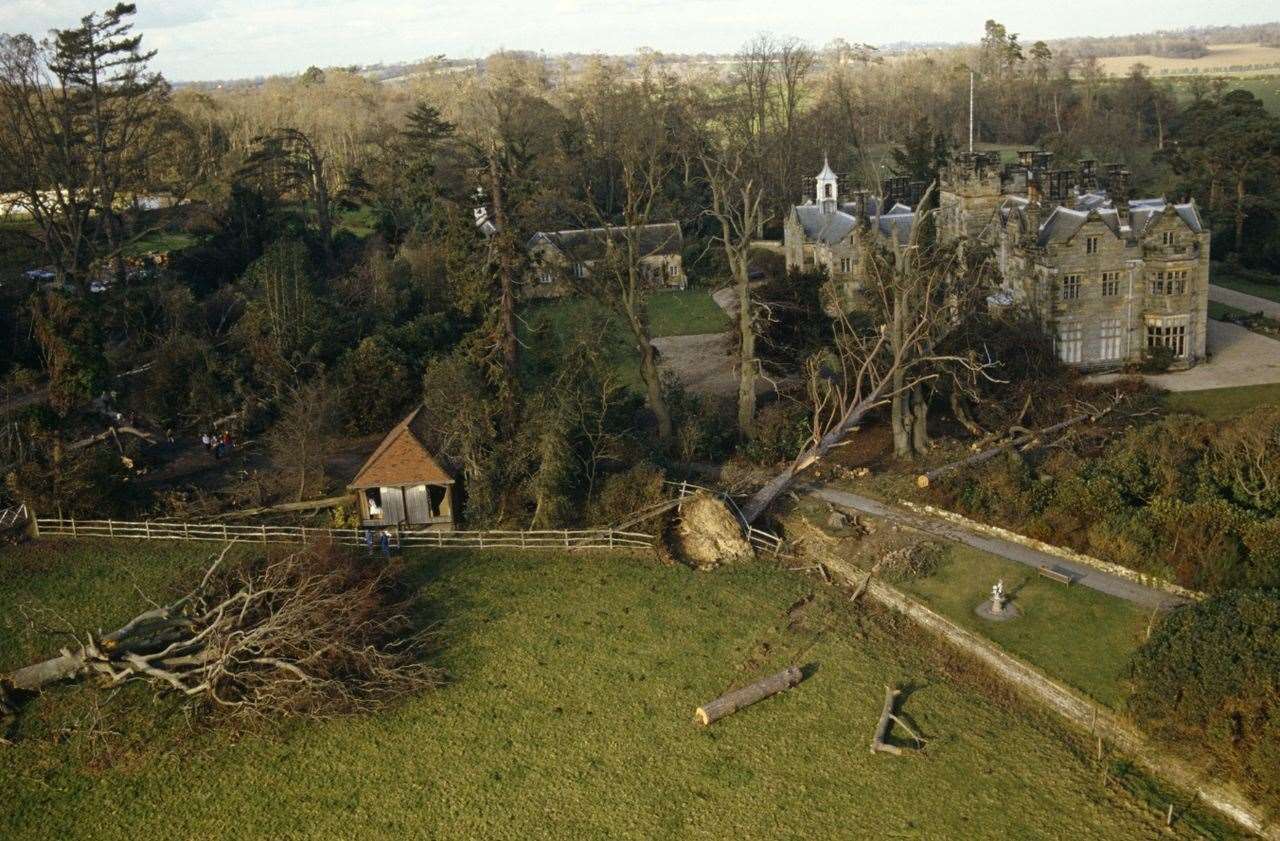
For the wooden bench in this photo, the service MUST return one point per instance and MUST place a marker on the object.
(1057, 575)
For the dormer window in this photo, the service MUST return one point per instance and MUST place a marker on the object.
(579, 270)
(1090, 245)
(1167, 238)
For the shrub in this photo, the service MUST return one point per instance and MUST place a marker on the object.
(782, 430)
(624, 493)
(1207, 682)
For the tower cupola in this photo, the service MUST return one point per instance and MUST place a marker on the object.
(828, 188)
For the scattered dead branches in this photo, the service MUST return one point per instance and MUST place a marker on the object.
(317, 632)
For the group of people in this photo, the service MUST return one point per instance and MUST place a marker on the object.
(219, 445)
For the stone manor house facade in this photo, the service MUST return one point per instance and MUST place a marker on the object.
(1115, 279)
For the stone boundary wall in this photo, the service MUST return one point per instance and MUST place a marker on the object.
(1080, 711)
(1059, 551)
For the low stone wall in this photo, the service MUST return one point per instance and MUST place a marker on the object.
(1050, 549)
(1078, 710)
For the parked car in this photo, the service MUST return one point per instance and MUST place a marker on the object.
(40, 275)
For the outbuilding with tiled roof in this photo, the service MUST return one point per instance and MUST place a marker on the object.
(402, 483)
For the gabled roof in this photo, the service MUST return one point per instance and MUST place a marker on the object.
(832, 226)
(823, 226)
(1062, 225)
(402, 459)
(584, 244)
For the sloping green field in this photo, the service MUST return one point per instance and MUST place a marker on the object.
(568, 715)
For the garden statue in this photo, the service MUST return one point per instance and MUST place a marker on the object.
(998, 597)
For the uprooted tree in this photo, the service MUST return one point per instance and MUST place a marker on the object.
(920, 288)
(317, 632)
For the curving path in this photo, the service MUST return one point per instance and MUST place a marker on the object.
(1085, 576)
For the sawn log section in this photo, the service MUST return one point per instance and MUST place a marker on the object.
(746, 696)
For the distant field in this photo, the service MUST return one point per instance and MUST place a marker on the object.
(1222, 60)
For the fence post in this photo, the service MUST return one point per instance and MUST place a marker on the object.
(73, 527)
(566, 538)
(111, 529)
(440, 538)
(481, 539)
(186, 531)
(610, 538)
(264, 533)
(35, 523)
(522, 546)
(224, 531)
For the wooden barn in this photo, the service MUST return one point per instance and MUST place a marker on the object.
(402, 484)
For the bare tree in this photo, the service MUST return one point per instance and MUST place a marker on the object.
(737, 206)
(621, 191)
(288, 160)
(867, 367)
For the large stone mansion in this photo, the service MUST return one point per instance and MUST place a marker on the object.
(1114, 278)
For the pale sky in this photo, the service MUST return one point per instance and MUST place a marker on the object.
(212, 39)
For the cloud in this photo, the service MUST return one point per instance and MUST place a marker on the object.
(203, 39)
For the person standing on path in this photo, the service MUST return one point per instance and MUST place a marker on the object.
(384, 541)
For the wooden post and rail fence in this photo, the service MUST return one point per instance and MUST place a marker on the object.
(402, 537)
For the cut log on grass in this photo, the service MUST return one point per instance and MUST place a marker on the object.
(731, 702)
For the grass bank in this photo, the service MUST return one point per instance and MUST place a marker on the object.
(569, 715)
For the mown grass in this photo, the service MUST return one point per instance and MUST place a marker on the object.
(568, 715)
(1223, 403)
(1077, 635)
(544, 324)
(1223, 277)
(159, 242)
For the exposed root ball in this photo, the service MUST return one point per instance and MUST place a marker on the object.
(708, 534)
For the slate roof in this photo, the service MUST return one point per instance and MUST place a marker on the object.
(1063, 222)
(831, 227)
(402, 459)
(585, 244)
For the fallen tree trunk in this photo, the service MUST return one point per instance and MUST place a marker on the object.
(314, 633)
(305, 505)
(108, 433)
(924, 479)
(731, 702)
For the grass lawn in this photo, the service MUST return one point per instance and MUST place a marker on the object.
(159, 242)
(1223, 277)
(1075, 634)
(1222, 403)
(568, 715)
(544, 324)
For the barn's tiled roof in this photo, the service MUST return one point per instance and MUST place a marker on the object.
(584, 244)
(402, 459)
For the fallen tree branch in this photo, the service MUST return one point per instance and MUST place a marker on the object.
(887, 718)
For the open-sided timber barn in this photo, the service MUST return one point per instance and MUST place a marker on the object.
(401, 483)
